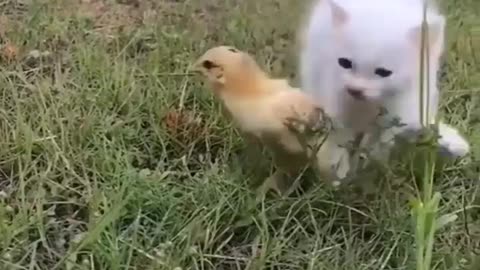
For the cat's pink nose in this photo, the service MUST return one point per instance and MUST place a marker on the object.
(356, 93)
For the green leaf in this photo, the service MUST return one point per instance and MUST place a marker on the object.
(445, 220)
(432, 204)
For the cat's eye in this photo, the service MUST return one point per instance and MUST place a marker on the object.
(233, 50)
(383, 72)
(345, 63)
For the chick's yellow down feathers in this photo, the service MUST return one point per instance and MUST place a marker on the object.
(283, 118)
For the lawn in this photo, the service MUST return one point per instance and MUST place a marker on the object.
(113, 156)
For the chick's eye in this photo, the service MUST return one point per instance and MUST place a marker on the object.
(207, 64)
(383, 72)
(345, 63)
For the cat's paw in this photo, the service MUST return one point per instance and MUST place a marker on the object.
(451, 143)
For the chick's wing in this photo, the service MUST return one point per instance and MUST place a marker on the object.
(298, 111)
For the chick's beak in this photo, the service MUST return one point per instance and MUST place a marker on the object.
(196, 67)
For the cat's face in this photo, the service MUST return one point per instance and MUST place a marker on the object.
(376, 57)
(373, 69)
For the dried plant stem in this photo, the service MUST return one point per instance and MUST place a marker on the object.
(425, 208)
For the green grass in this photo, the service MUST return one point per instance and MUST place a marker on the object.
(94, 177)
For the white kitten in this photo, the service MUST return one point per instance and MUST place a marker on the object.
(360, 56)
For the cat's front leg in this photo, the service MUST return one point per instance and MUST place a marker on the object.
(452, 144)
(332, 160)
(382, 145)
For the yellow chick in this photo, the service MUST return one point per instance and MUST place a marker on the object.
(281, 117)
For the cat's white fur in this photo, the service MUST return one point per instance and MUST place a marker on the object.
(373, 34)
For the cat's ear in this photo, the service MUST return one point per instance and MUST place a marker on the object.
(339, 15)
(434, 34)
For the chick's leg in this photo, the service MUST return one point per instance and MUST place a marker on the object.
(253, 151)
(281, 182)
(274, 182)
